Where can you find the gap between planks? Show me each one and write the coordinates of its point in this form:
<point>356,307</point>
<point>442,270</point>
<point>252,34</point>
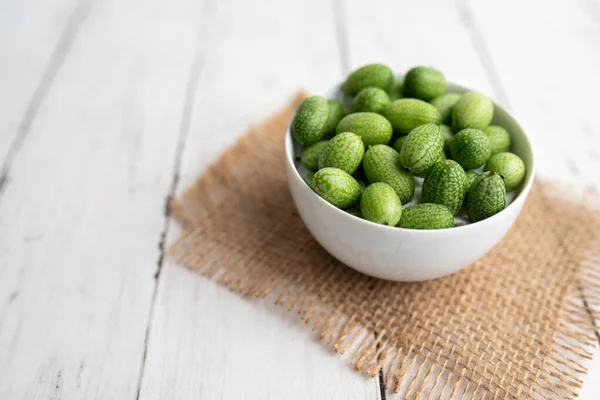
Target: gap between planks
<point>587,307</point>
<point>341,33</point>
<point>60,53</point>
<point>482,50</point>
<point>184,129</point>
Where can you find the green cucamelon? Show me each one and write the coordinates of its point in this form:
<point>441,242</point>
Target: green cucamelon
<point>395,92</point>
<point>371,127</point>
<point>447,135</point>
<point>345,151</point>
<point>381,163</point>
<point>487,196</point>
<point>426,216</point>
<point>407,114</point>
<point>422,148</point>
<point>359,175</point>
<point>399,143</point>
<point>337,187</point>
<point>444,105</point>
<point>309,124</point>
<point>361,183</point>
<point>445,184</point>
<point>372,75</point>
<point>441,157</point>
<point>470,148</point>
<point>499,139</point>
<point>509,166</point>
<point>371,99</point>
<point>379,203</point>
<point>472,110</point>
<point>308,179</point>
<point>310,155</point>
<point>424,83</point>
<point>336,113</point>
<point>470,177</point>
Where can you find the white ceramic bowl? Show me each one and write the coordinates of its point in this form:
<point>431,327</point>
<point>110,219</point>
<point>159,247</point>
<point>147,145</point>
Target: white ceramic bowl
<point>404,254</point>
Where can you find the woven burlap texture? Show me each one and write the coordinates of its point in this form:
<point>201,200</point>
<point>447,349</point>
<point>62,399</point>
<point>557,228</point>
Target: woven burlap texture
<point>512,325</point>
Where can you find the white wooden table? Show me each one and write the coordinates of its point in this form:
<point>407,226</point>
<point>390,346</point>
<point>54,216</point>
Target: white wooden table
<point>109,108</point>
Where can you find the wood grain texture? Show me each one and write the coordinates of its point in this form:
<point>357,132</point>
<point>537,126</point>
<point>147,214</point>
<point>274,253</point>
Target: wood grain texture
<point>112,105</point>
<point>35,36</point>
<point>549,71</point>
<point>591,383</point>
<point>406,35</point>
<point>82,216</point>
<point>205,342</point>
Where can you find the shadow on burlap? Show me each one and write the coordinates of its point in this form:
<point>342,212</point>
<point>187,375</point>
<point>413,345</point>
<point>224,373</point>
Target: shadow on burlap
<point>512,325</point>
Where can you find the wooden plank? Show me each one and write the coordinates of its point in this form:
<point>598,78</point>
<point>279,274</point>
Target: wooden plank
<point>82,217</point>
<point>35,35</point>
<point>591,385</point>
<point>551,94</point>
<point>205,342</point>
<point>404,35</point>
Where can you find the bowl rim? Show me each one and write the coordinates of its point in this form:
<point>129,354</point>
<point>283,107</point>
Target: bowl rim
<point>517,202</point>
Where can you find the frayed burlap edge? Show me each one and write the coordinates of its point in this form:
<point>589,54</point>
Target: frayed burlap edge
<point>410,371</point>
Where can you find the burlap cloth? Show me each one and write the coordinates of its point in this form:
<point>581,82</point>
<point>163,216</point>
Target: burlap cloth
<point>513,325</point>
